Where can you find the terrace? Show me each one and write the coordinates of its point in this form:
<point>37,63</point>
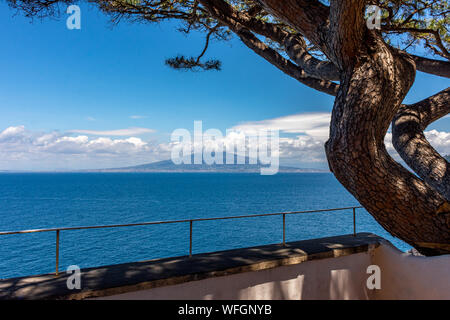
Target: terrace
<point>325,268</point>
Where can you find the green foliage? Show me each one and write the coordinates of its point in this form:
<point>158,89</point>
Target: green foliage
<point>192,63</point>
<point>418,24</point>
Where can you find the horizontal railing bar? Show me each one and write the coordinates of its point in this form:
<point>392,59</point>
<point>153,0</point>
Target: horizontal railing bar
<point>171,221</point>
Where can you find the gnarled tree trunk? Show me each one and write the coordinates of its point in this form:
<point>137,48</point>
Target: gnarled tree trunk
<point>374,80</point>
<point>372,90</point>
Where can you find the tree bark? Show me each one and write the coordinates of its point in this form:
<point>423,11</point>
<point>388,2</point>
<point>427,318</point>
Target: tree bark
<point>305,16</point>
<point>372,90</point>
<point>410,142</point>
<point>436,67</point>
<point>296,50</point>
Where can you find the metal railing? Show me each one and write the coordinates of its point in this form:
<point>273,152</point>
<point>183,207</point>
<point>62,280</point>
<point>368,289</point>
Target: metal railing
<point>191,222</point>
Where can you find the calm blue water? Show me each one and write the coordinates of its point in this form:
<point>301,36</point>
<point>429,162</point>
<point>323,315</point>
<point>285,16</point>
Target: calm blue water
<point>30,201</point>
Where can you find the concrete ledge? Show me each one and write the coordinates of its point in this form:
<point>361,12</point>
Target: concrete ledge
<point>123,278</point>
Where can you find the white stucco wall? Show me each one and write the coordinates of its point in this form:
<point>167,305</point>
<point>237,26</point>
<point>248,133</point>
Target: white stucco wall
<point>334,278</point>
<point>402,277</point>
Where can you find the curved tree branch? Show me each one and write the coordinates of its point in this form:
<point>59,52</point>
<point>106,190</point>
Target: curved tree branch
<point>297,51</point>
<point>238,22</point>
<point>221,10</point>
<point>294,45</point>
<point>437,67</point>
<point>259,47</point>
<point>305,16</point>
<point>410,142</point>
<point>208,36</point>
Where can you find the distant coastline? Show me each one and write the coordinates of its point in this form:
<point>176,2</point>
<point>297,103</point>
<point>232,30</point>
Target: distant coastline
<point>167,166</point>
<point>119,170</point>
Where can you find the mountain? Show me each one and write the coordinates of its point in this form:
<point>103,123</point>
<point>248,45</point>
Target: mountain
<point>169,166</point>
<point>447,157</point>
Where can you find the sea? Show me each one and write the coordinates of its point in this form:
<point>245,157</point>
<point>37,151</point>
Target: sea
<point>50,200</point>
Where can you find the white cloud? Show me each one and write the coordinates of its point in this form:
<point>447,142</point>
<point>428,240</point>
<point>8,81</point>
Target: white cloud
<point>119,132</point>
<point>439,140</point>
<point>21,149</point>
<point>137,117</point>
<point>314,127</point>
<point>12,134</point>
<point>310,130</point>
<point>312,124</point>
<point>302,148</point>
<point>302,138</point>
<point>12,131</point>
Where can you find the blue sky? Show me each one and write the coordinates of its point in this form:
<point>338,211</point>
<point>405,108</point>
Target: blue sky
<point>105,78</point>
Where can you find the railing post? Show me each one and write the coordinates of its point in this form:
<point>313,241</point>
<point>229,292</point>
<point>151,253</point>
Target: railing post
<point>354,221</point>
<point>284,229</point>
<point>57,253</point>
<point>190,239</point>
